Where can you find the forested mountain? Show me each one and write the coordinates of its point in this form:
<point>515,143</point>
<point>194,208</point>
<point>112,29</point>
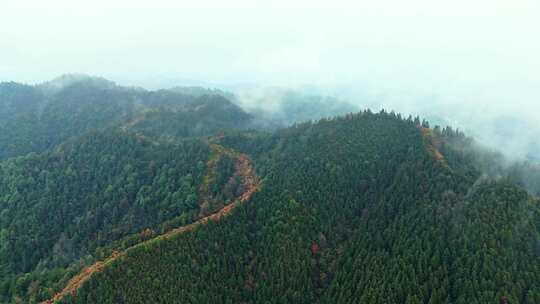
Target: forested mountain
<point>200,91</point>
<point>37,118</point>
<point>121,195</point>
<point>20,107</point>
<point>362,208</point>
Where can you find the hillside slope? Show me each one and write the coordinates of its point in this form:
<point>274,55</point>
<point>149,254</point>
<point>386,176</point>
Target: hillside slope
<point>249,184</point>
<point>111,194</point>
<point>353,209</point>
<point>102,192</point>
<point>38,118</point>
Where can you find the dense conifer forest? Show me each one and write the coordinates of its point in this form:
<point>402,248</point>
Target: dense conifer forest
<point>122,195</point>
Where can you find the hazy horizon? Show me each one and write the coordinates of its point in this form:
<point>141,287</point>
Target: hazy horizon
<point>472,64</point>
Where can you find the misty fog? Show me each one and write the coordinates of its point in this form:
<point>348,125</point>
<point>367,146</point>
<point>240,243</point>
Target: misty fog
<point>472,65</point>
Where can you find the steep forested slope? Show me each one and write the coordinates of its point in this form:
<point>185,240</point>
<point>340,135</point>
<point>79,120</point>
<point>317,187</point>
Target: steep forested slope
<point>369,208</point>
<point>37,118</point>
<point>248,183</point>
<point>467,156</point>
<point>197,116</point>
<point>69,205</point>
<point>103,173</point>
<point>20,107</point>
<point>363,208</point>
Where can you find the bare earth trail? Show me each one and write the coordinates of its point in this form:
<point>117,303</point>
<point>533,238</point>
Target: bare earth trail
<point>250,184</point>
<point>432,142</point>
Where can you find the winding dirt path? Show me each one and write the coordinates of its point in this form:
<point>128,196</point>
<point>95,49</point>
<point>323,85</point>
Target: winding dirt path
<point>250,183</point>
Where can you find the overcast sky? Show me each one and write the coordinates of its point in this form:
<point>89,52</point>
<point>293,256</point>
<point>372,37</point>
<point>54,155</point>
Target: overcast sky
<point>461,52</point>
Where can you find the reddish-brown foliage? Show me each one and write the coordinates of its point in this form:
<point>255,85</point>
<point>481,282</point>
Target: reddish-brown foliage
<point>315,248</point>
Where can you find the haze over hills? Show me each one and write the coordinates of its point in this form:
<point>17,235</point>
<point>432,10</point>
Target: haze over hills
<point>510,130</point>
<point>112,194</point>
<point>240,151</point>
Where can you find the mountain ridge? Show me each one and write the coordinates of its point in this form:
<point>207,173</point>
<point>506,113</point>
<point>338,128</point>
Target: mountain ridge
<point>371,207</point>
